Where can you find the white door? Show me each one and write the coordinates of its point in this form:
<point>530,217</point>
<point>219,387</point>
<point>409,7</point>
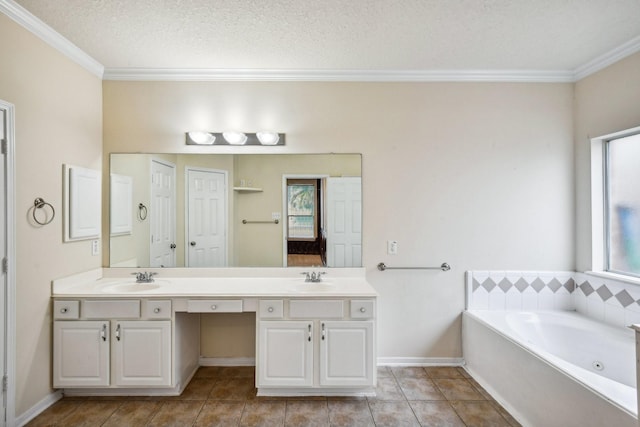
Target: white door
<point>285,354</point>
<point>80,353</point>
<point>3,255</point>
<point>346,353</point>
<point>206,231</point>
<point>344,222</point>
<point>141,353</point>
<point>162,215</point>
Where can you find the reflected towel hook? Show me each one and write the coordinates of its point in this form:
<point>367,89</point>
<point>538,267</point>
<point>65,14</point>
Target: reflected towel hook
<point>39,203</point>
<point>142,212</point>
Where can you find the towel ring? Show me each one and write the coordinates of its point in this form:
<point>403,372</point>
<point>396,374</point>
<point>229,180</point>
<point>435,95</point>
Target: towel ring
<point>39,203</point>
<point>142,212</point>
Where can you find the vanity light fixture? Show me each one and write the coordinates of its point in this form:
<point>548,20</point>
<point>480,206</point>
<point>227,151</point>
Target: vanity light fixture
<point>267,138</point>
<point>235,138</point>
<point>201,138</point>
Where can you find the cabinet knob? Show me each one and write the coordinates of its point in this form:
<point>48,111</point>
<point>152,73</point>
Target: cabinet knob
<point>213,307</point>
<point>362,309</point>
<point>64,310</point>
<point>156,310</point>
<point>270,309</point>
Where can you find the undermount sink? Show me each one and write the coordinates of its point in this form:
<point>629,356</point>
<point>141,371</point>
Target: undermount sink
<point>130,286</point>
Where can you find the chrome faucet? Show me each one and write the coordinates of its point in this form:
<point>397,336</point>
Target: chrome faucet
<point>313,277</point>
<point>146,277</point>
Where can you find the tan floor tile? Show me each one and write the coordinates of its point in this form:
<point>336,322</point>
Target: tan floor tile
<point>419,389</point>
<point>387,389</point>
<point>306,414</point>
<point>197,389</point>
<point>208,372</point>
<point>440,414</point>
<point>233,389</point>
<point>457,389</point>
<point>176,414</point>
<point>479,414</point>
<point>263,413</point>
<point>132,413</point>
<point>54,413</point>
<point>220,413</point>
<point>236,372</point>
<point>463,372</point>
<point>350,414</point>
<point>408,371</point>
<point>384,371</point>
<point>506,415</point>
<point>443,372</point>
<point>90,413</point>
<point>393,414</point>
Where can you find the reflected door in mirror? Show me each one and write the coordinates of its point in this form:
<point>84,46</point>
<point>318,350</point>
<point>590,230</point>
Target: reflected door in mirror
<point>162,215</point>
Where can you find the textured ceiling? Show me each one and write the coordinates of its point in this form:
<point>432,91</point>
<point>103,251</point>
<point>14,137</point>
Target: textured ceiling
<point>343,34</point>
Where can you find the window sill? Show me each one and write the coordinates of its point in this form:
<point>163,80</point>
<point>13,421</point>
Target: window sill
<point>615,276</point>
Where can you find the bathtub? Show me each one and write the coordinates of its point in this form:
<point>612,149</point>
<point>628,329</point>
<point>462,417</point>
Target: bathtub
<point>553,368</point>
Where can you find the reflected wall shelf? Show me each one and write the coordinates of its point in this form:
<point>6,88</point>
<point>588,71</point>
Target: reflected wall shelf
<point>247,189</point>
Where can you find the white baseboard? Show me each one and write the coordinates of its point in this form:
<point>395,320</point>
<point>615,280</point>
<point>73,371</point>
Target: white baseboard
<point>227,361</point>
<point>36,409</point>
<point>420,361</point>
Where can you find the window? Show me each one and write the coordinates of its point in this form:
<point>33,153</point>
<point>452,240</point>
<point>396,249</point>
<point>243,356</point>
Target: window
<point>622,204</point>
<point>302,209</point>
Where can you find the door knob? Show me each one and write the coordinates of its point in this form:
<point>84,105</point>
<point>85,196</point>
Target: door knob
<point>192,243</point>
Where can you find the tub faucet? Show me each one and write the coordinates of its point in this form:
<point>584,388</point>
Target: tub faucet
<point>313,277</point>
<point>146,277</point>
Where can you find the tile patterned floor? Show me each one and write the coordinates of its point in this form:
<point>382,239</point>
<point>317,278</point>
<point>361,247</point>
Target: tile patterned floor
<point>225,396</point>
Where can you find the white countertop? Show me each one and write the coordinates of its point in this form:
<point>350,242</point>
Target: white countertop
<point>224,283</point>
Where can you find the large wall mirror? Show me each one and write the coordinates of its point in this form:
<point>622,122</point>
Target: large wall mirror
<point>235,210</point>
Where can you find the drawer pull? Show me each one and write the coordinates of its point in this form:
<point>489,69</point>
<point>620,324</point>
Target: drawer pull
<point>156,310</point>
<point>270,309</point>
<point>64,310</point>
<point>213,307</point>
<point>362,309</point>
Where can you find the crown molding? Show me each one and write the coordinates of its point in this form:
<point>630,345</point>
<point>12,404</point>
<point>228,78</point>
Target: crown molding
<point>24,18</point>
<point>243,75</point>
<point>609,58</point>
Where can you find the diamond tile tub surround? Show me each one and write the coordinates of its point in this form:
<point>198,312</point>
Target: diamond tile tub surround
<point>606,300</point>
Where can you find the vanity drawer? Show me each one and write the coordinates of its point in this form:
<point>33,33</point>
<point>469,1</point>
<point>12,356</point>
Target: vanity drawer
<point>114,309</point>
<point>66,309</point>
<point>319,309</point>
<point>214,306</point>
<point>157,309</point>
<point>362,309</point>
<point>272,309</point>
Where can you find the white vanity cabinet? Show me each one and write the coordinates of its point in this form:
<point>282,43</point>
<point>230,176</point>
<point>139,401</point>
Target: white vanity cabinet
<point>315,345</point>
<point>112,352</point>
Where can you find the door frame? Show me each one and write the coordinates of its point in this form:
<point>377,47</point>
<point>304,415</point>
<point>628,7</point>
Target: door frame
<point>10,290</point>
<point>285,224</point>
<point>187,169</point>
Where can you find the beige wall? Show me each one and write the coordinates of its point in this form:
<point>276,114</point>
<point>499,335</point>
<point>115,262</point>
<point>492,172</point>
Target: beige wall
<point>58,107</point>
<point>479,175</point>
<point>606,102</point>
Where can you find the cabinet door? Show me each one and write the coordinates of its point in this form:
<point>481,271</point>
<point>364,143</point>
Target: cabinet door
<point>80,353</point>
<point>141,353</point>
<point>346,353</point>
<point>285,354</point>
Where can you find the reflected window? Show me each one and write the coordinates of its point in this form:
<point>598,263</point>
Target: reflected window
<point>622,205</point>
<point>302,209</point>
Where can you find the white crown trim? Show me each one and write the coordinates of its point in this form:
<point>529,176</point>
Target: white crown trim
<point>609,58</point>
<point>186,74</point>
<point>24,18</point>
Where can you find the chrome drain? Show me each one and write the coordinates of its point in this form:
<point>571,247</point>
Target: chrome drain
<point>597,365</point>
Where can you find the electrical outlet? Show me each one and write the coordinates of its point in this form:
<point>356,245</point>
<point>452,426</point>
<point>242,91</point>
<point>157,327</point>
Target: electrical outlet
<point>95,247</point>
<point>392,247</point>
<point>275,215</point>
